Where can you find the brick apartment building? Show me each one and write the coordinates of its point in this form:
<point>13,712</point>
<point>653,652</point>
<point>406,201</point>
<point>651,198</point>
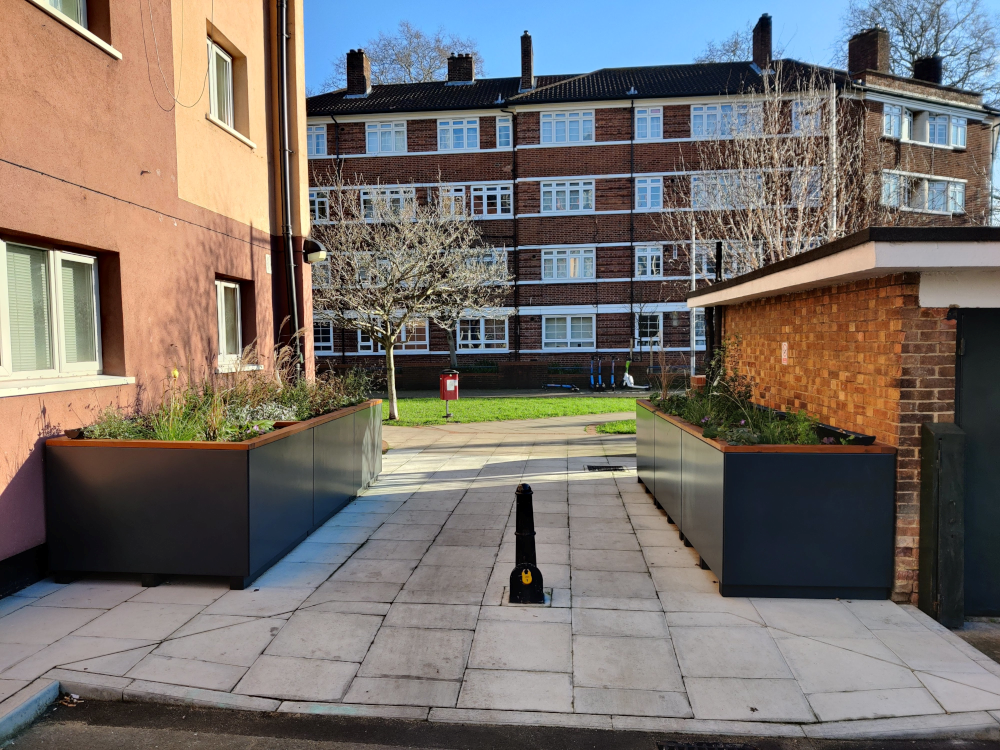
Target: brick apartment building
<point>569,172</point>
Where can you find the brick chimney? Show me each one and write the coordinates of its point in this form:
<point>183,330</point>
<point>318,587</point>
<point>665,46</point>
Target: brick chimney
<point>527,63</point>
<point>461,68</point>
<point>868,50</point>
<point>762,43</point>
<point>930,69</point>
<point>359,73</point>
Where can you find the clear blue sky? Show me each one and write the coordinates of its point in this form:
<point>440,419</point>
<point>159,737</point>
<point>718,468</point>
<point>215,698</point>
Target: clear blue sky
<point>573,36</point>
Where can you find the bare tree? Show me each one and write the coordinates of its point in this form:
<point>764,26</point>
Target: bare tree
<point>961,32</point>
<point>395,264</point>
<point>408,56</point>
<point>780,171</point>
<point>737,47</point>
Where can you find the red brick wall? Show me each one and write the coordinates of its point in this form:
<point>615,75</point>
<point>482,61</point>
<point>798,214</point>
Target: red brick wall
<point>865,357</point>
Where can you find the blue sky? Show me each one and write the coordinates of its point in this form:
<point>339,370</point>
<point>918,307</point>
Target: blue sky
<point>573,36</point>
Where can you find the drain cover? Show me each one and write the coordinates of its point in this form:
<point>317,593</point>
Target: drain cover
<point>680,745</point>
<point>602,467</point>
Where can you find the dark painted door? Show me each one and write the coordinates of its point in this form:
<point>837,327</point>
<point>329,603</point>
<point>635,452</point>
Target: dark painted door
<point>978,413</point>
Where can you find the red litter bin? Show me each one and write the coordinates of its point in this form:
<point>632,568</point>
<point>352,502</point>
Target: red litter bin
<point>448,382</point>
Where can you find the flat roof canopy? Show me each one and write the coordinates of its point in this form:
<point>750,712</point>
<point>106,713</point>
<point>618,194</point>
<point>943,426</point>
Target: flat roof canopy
<point>959,255</point>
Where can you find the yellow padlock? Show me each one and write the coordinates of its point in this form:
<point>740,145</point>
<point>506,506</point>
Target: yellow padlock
<point>525,576</point>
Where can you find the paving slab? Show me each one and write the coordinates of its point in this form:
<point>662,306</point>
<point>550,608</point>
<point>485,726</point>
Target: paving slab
<point>524,646</point>
<point>448,578</point>
<point>333,709</point>
<point>625,663</point>
<point>874,704</point>
<point>517,691</point>
<point>594,540</point>
<point>239,645</point>
<point>473,557</point>
<point>613,584</point>
<point>824,668</point>
<point>91,594</point>
<point>400,691</point>
<point>610,560</point>
<point>258,602</point>
<point>66,651</point>
<point>728,652</point>
<point>41,626</point>
<point>631,702</point>
<point>734,699</point>
<point>181,592</point>
<point>375,549</point>
<point>140,620</point>
<point>375,571</point>
<point>292,678</point>
<point>326,635</point>
<point>187,672</point>
<point>414,652</point>
<point>353,591</point>
<point>619,623</point>
<point>406,532</point>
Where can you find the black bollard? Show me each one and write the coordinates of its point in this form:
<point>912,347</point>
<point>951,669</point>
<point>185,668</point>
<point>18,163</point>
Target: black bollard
<point>526,578</point>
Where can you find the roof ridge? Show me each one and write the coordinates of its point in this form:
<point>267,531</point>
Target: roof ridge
<point>563,82</point>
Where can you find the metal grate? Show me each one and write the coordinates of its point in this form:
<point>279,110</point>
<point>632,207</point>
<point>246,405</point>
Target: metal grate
<point>681,745</point>
<point>592,467</point>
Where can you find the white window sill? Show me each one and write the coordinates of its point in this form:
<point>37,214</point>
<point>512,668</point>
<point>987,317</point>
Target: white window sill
<point>77,28</point>
<point>227,367</point>
<point>234,133</point>
<point>54,385</point>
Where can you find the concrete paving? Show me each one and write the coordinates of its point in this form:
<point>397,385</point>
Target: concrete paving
<point>396,608</point>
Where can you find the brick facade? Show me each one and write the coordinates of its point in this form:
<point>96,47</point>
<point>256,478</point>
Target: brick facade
<point>614,227</point>
<point>863,356</point>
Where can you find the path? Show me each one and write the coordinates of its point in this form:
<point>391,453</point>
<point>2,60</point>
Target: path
<point>395,608</point>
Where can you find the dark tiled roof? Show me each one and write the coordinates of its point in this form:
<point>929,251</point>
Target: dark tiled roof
<point>484,93</point>
<point>657,81</point>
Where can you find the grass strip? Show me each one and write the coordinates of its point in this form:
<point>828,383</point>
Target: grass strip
<point>418,412</point>
<point>618,427</point>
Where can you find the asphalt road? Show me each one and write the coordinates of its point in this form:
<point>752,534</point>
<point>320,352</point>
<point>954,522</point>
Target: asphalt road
<point>92,725</point>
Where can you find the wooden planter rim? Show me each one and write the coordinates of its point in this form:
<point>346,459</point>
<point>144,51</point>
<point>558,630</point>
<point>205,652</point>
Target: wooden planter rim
<point>724,447</point>
<point>244,445</point>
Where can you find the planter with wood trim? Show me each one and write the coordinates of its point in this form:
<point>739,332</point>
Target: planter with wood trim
<point>811,521</point>
<point>159,508</point>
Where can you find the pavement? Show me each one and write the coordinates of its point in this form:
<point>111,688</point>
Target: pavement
<point>395,609</point>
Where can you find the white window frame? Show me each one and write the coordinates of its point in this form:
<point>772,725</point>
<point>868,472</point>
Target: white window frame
<point>725,120</point>
<point>505,123</point>
<point>502,196</point>
<point>452,199</point>
<point>807,117</point>
<point>396,129</point>
<point>323,350</point>
<point>319,205</point>
<point>575,261</point>
<point>938,129</point>
<point>81,20</point>
<point>556,128</point>
<point>649,262</point>
<point>316,137</point>
<point>813,177</point>
<point>720,191</point>
<point>482,345</point>
<point>892,121</point>
<point>214,53</point>
<point>568,341</point>
<point>957,135</point>
<point>648,193</point>
<point>892,189</point>
<point>228,360</point>
<point>650,342</point>
<point>700,339</point>
<point>956,197</point>
<point>649,124</point>
<point>56,331</point>
<point>448,129</point>
<point>404,195</point>
<point>552,190</point>
<point>402,345</point>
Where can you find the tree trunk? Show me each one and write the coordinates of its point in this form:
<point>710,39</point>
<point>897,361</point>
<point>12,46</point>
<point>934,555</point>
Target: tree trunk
<point>390,377</point>
<point>451,348</point>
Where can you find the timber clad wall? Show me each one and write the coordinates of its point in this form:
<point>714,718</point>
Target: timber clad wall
<point>862,356</point>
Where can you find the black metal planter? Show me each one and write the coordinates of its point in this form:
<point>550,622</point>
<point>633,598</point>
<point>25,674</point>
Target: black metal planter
<point>775,520</point>
<point>161,508</point>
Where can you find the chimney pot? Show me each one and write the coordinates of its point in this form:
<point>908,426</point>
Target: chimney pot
<point>762,43</point>
<point>868,50</point>
<point>461,68</point>
<point>527,63</point>
<point>930,69</point>
<point>359,73</point>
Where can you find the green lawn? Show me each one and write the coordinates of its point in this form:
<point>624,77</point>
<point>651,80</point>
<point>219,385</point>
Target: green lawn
<point>415,412</point>
<point>619,427</point>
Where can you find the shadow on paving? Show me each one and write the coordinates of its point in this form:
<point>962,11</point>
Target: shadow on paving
<point>105,726</point>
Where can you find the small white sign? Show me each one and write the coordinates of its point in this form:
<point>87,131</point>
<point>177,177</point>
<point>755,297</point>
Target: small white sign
<point>267,262</point>
<point>450,385</point>
<point>784,352</point>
